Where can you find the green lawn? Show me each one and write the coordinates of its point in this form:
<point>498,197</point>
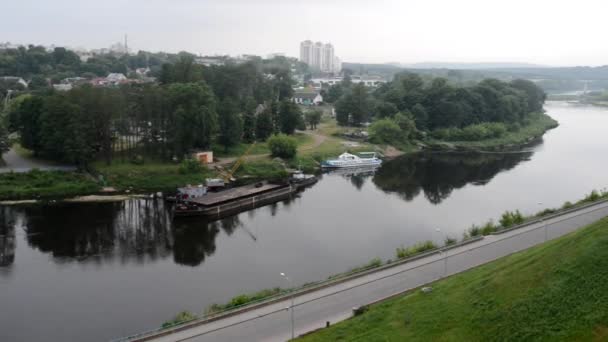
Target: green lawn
<point>45,184</point>
<point>259,148</point>
<point>554,292</point>
<point>150,176</point>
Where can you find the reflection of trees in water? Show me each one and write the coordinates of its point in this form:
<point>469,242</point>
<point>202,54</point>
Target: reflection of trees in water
<point>7,237</point>
<point>357,176</point>
<point>438,174</point>
<point>195,238</point>
<point>134,230</point>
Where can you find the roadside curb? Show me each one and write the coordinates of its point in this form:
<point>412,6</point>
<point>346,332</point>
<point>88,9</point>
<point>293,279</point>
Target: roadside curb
<point>155,334</point>
<point>550,216</point>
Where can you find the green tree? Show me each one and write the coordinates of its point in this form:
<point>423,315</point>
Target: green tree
<point>282,146</point>
<point>25,119</point>
<point>290,117</point>
<point>4,141</point>
<point>313,118</point>
<point>249,122</point>
<point>421,117</point>
<point>231,125</point>
<point>264,126</point>
<point>406,123</point>
<point>385,131</point>
<point>354,107</point>
<point>333,93</point>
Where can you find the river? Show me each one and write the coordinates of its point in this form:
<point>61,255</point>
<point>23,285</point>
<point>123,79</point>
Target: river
<point>75,272</point>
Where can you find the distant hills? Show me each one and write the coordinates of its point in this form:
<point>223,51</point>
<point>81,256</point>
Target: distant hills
<point>471,66</point>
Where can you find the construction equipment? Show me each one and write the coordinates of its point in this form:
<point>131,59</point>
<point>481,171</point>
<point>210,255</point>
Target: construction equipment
<point>228,175</point>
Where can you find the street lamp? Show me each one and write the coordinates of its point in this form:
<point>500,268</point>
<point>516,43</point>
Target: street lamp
<point>543,222</point>
<point>291,306</point>
<point>445,256</point>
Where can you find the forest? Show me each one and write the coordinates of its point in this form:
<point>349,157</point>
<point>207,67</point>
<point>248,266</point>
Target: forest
<point>190,108</point>
<point>412,107</point>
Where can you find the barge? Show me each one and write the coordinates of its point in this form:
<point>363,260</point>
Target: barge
<point>235,200</point>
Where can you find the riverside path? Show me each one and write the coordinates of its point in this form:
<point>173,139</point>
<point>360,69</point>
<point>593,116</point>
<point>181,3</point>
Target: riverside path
<point>333,303</point>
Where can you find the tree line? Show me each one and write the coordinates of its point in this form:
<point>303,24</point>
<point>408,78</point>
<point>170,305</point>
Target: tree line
<point>410,105</point>
<point>193,107</point>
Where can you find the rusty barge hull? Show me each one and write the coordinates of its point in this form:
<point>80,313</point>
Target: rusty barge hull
<point>235,200</point>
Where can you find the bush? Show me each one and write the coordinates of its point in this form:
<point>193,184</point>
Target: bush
<point>406,252</point>
<point>449,241</point>
<point>180,318</point>
<point>509,219</point>
<point>385,131</point>
<point>282,146</point>
<point>486,130</point>
<point>190,166</point>
<point>474,231</point>
<point>488,228</point>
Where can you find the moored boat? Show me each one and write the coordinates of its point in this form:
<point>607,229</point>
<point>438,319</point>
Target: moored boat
<point>347,160</point>
<point>234,200</point>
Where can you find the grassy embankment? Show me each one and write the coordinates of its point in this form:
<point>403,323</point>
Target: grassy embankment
<point>45,184</point>
<point>554,292</point>
<point>537,126</point>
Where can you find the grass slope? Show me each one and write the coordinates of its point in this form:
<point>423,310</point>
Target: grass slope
<point>554,292</point>
<point>44,184</point>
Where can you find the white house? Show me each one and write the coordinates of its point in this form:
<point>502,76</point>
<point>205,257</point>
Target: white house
<point>116,78</point>
<point>307,97</point>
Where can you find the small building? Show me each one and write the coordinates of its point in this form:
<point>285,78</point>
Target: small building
<point>205,157</point>
<point>307,97</point>
<point>62,87</point>
<point>116,78</point>
<point>14,80</point>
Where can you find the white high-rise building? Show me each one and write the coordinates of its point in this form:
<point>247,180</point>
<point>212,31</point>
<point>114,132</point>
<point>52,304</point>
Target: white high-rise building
<point>306,52</point>
<point>319,56</point>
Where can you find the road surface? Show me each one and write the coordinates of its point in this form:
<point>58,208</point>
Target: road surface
<point>16,163</point>
<point>335,303</point>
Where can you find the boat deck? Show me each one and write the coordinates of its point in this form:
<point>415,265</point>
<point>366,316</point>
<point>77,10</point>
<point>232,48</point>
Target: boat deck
<point>233,194</point>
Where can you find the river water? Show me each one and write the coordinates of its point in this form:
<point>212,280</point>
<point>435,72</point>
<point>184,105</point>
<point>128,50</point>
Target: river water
<point>75,272</point>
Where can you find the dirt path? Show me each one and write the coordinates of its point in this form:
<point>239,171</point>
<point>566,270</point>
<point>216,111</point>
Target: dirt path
<point>318,139</point>
<point>16,163</point>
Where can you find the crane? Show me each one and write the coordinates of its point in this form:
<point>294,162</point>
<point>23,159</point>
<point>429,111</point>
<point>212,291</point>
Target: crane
<point>228,175</point>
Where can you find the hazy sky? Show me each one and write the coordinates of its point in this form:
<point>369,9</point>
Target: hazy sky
<point>536,31</point>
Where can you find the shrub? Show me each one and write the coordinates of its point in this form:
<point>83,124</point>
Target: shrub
<point>488,228</point>
<point>282,146</point>
<point>190,166</point>
<point>449,241</point>
<point>509,218</point>
<point>474,231</point>
<point>406,252</point>
<point>567,205</point>
<point>385,131</point>
<point>180,318</point>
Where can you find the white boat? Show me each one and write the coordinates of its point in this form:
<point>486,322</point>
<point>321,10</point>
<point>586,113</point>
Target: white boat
<point>350,160</point>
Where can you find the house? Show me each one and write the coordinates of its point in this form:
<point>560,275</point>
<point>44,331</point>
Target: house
<point>63,87</point>
<point>142,71</point>
<point>205,157</point>
<point>116,78</point>
<point>14,80</point>
<point>307,97</point>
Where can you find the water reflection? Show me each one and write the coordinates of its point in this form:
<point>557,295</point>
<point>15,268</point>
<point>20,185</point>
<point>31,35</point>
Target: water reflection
<point>137,230</point>
<point>438,174</point>
<point>7,237</point>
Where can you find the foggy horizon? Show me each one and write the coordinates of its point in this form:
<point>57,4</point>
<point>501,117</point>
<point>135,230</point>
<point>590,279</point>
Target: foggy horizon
<point>472,31</point>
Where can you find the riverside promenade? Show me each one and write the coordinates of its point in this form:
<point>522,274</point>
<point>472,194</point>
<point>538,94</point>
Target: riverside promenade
<point>334,301</point>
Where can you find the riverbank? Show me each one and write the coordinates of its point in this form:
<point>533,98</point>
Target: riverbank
<point>510,140</point>
<point>532,295</point>
<point>313,148</point>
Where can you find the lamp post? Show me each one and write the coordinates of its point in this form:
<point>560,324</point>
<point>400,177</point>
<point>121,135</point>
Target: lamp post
<point>291,308</point>
<point>445,256</point>
<point>543,222</point>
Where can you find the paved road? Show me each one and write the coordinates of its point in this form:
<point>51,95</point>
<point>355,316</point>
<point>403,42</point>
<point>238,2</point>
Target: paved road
<point>16,163</point>
<point>335,303</point>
